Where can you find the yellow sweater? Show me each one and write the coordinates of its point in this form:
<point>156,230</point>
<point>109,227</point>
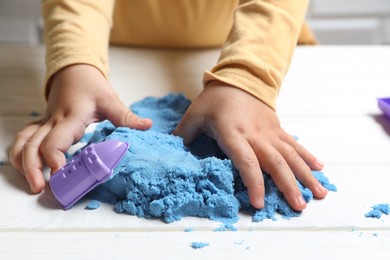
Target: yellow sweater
<point>257,37</point>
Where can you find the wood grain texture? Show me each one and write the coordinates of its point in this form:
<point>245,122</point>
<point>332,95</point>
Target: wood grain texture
<point>328,100</point>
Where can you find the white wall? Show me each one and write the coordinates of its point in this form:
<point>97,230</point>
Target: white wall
<point>333,21</point>
<point>19,21</point>
<point>350,21</point>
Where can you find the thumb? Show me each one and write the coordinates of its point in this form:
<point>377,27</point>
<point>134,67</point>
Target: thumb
<point>188,129</point>
<point>120,115</point>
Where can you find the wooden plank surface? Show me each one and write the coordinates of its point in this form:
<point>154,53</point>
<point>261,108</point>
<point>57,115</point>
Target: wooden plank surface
<point>328,100</point>
<point>352,244</point>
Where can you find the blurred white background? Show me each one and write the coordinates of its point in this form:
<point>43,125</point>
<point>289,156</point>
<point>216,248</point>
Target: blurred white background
<point>20,21</point>
<point>333,21</point>
<point>350,21</point>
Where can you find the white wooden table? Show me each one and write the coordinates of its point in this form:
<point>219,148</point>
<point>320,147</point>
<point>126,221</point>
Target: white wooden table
<point>328,99</point>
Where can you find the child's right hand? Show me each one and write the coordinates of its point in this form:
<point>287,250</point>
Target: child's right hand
<point>79,95</point>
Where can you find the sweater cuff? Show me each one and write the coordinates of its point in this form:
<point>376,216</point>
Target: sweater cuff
<point>66,60</point>
<point>245,81</point>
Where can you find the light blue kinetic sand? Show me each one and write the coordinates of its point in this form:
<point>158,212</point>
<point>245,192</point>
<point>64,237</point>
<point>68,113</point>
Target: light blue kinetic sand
<point>159,177</point>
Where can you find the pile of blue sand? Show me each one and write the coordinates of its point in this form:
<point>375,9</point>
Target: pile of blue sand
<point>378,210</point>
<point>198,245</point>
<point>159,177</point>
<point>92,205</point>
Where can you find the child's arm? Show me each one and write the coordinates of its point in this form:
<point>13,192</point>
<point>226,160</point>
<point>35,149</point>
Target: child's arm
<point>237,104</point>
<point>77,89</point>
<point>79,95</point>
<point>76,32</point>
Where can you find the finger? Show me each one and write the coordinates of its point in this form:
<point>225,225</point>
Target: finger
<point>275,165</point>
<point>309,159</point>
<point>18,144</point>
<point>188,129</point>
<point>115,111</point>
<point>301,170</point>
<point>59,140</point>
<point>245,161</point>
<point>32,159</point>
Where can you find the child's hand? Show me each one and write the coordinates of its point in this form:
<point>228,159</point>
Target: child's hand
<point>79,95</point>
<point>249,133</point>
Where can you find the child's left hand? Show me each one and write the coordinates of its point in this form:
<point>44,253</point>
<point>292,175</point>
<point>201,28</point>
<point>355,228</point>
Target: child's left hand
<point>249,133</point>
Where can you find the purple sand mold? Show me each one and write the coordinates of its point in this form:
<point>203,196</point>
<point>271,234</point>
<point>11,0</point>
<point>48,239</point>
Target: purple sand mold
<point>384,105</point>
<point>159,177</point>
<point>378,210</point>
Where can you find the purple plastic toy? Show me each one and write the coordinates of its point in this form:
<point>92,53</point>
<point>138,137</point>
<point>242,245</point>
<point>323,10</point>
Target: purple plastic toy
<point>384,105</point>
<point>85,171</point>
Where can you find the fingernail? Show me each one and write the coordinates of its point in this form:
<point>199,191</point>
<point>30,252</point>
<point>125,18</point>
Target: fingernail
<point>260,203</point>
<point>32,186</point>
<point>301,202</point>
<point>319,163</point>
<point>320,188</point>
<point>144,121</point>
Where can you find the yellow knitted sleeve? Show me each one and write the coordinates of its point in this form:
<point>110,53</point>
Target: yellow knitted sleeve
<point>76,32</point>
<point>259,48</point>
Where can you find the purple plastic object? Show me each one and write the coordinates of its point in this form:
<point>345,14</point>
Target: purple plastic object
<point>85,171</point>
<point>384,105</point>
